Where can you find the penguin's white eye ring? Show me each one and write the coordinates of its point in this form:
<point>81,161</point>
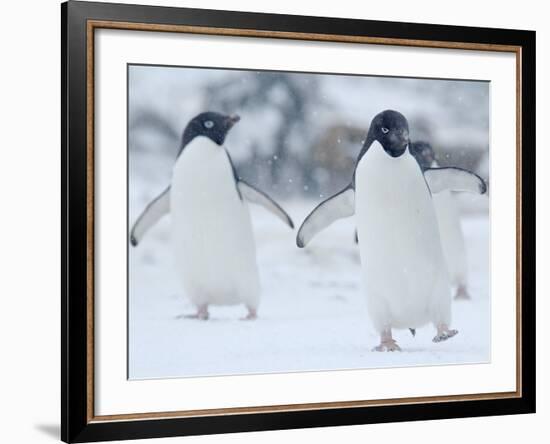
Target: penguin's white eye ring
<point>385,130</point>
<point>208,124</point>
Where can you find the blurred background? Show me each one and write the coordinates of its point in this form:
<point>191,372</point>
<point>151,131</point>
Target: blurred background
<point>300,134</point>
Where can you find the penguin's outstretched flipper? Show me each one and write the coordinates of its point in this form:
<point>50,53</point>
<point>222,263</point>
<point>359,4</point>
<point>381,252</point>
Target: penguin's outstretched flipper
<point>336,207</point>
<point>150,216</point>
<point>454,179</point>
<point>254,195</point>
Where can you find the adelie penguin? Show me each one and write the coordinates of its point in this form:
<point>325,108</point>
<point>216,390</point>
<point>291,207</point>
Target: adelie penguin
<point>448,218</point>
<point>405,279</point>
<point>210,221</point>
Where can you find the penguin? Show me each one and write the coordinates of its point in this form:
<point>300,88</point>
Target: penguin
<point>405,279</point>
<point>448,218</point>
<point>211,229</point>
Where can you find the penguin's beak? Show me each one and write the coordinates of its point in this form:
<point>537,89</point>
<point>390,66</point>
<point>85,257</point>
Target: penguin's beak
<point>232,120</point>
<point>405,137</point>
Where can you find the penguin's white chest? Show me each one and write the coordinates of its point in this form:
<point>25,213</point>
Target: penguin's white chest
<point>452,238</point>
<point>399,242</point>
<point>211,228</point>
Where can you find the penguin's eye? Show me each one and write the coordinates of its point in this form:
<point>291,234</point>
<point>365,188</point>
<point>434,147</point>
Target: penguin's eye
<point>385,130</point>
<point>208,124</point>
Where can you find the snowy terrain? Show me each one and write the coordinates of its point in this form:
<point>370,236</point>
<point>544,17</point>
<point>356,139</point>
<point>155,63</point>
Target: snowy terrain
<point>312,314</point>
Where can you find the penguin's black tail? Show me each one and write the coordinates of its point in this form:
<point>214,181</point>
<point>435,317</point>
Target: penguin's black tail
<point>413,331</point>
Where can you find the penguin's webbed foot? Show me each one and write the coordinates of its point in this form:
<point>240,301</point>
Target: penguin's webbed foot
<point>462,294</point>
<point>201,314</point>
<point>387,346</point>
<point>444,333</point>
<point>251,316</point>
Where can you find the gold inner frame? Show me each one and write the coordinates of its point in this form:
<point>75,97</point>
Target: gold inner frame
<point>96,24</point>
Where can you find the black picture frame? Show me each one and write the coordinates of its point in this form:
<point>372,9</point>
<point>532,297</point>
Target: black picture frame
<point>77,425</point>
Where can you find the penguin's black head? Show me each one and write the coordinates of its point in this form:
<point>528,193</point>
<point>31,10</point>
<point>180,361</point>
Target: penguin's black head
<point>391,129</point>
<point>210,124</point>
<point>423,153</point>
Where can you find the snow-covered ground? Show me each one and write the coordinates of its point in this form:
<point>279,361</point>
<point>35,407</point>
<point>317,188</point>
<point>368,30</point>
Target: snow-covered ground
<point>312,314</point>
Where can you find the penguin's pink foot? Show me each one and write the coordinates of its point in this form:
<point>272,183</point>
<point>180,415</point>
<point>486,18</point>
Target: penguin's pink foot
<point>387,346</point>
<point>444,333</point>
<point>462,294</point>
<point>201,314</point>
<point>387,343</point>
<point>251,316</point>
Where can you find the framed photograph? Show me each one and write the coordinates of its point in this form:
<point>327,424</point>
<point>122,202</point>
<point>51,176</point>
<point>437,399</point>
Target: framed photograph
<point>275,221</point>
